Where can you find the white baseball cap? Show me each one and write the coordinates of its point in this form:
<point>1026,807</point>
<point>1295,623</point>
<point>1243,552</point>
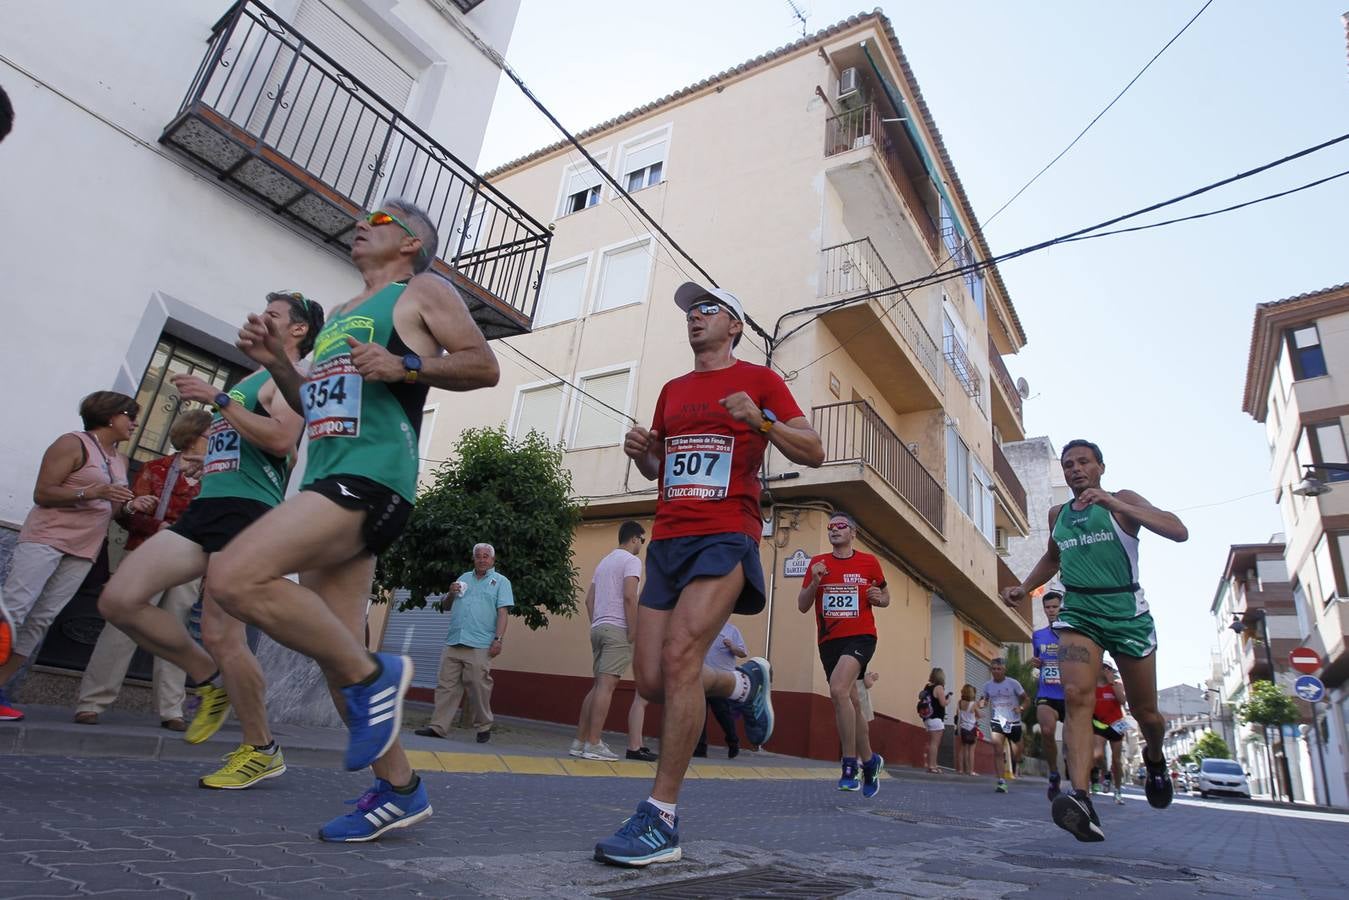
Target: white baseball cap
<point>690,293</point>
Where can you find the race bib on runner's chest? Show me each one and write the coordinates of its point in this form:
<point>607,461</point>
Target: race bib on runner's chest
<point>698,466</point>
<point>222,449</point>
<point>840,602</point>
<point>1050,673</point>
<point>332,399</point>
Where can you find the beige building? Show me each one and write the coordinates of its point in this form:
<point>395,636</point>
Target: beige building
<point>802,180</point>
<point>1297,384</point>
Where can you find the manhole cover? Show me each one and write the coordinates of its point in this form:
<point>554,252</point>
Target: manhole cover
<point>763,881</point>
<point>921,818</point>
<point>1110,867</point>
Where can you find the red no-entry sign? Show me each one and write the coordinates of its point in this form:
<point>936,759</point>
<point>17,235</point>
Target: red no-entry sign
<point>1305,659</point>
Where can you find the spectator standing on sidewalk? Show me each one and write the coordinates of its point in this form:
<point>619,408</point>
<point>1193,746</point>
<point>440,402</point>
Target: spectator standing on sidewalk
<point>967,723</point>
<point>727,647</point>
<point>478,603</point>
<point>611,603</point>
<point>935,718</point>
<point>175,481</point>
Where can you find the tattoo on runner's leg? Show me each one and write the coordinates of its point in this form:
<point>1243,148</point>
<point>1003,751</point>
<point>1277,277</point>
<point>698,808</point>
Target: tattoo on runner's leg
<point>1074,653</point>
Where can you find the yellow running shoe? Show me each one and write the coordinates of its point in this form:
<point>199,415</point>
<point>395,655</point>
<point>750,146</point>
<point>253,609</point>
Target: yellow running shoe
<point>213,708</point>
<point>245,767</point>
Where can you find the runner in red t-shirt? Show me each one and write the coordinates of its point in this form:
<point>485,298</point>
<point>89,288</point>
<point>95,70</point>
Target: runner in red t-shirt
<point>707,440</point>
<point>1108,724</point>
<point>843,586</point>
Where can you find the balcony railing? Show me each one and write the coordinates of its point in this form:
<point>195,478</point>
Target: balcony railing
<point>1004,378</point>
<point>969,377</point>
<point>862,127</point>
<point>1003,469</point>
<point>856,267</point>
<point>274,116</point>
<point>854,432</point>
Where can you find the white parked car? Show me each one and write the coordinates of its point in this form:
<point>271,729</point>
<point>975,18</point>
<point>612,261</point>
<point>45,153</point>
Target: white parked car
<point>1222,776</point>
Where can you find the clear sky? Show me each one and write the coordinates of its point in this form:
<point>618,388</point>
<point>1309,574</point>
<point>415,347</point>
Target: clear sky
<point>1137,342</point>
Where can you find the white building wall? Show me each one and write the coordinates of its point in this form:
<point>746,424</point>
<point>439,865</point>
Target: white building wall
<point>1036,463</point>
<point>121,236</point>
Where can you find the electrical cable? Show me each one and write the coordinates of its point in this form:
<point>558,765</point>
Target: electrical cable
<point>1079,234</point>
<point>1098,116</point>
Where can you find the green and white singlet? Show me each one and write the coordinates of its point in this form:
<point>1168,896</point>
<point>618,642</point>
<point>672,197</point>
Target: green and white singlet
<point>359,427</point>
<point>234,467</point>
<point>1098,564</point>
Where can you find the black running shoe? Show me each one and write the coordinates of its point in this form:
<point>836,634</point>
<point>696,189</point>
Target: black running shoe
<point>1075,815</point>
<point>1158,785</point>
<point>1054,782</point>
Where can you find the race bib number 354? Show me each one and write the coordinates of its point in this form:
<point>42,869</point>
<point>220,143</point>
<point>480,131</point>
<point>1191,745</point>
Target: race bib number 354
<point>332,399</point>
<point>698,466</point>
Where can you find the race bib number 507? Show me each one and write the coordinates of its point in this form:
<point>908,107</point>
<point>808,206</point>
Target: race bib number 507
<point>332,399</point>
<point>698,466</point>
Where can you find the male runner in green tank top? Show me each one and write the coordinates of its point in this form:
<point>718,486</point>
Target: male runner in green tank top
<point>1093,544</point>
<point>243,476</point>
<point>362,400</point>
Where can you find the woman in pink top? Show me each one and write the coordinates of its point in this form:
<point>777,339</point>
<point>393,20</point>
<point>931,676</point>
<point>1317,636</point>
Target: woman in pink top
<point>81,485</point>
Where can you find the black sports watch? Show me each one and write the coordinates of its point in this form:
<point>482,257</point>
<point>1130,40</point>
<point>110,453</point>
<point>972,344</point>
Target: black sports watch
<point>413,363</point>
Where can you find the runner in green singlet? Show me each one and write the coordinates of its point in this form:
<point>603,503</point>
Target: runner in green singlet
<point>1093,544</point>
<point>243,476</point>
<point>362,401</point>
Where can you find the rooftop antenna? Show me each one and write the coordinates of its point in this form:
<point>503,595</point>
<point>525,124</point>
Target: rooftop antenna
<point>799,15</point>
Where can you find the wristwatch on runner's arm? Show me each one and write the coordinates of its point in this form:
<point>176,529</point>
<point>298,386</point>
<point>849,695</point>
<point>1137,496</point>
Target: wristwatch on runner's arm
<point>413,363</point>
<point>769,420</point>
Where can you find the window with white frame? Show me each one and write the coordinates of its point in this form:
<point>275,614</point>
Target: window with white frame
<point>538,408</point>
<point>957,469</point>
<point>1326,574</point>
<point>424,438</point>
<point>600,409</point>
<point>644,164</point>
<point>581,188</point>
<point>981,500</point>
<point>624,275</point>
<point>1327,447</point>
<point>1304,619</point>
<point>563,289</point>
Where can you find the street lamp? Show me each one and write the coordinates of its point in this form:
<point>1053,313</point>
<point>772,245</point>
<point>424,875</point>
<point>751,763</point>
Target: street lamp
<point>1310,485</point>
<point>1239,626</point>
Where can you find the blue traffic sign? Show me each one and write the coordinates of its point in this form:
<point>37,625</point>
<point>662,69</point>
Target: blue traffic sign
<point>1309,688</point>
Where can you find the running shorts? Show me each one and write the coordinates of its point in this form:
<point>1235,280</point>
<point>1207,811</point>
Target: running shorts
<point>671,563</point>
<point>212,522</point>
<point>386,510</point>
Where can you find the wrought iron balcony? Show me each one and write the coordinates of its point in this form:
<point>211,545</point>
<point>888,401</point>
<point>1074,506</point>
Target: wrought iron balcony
<point>862,127</point>
<point>276,118</point>
<point>1007,475</point>
<point>971,380</point>
<point>856,267</point>
<point>1004,379</point>
<point>854,432</point>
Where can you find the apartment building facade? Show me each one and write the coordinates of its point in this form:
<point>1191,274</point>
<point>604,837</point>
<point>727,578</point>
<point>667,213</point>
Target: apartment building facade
<point>1297,385</point>
<point>805,181</point>
<point>1254,590</point>
<point>174,162</point>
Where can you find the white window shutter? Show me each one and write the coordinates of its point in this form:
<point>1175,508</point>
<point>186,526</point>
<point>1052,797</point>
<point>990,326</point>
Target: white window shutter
<point>624,275</point>
<point>539,410</point>
<point>597,425</point>
<point>560,298</point>
<point>644,156</point>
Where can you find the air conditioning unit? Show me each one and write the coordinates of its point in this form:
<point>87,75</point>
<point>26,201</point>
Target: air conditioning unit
<point>849,87</point>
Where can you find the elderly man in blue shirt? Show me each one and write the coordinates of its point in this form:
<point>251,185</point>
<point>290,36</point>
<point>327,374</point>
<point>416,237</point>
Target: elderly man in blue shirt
<point>477,603</point>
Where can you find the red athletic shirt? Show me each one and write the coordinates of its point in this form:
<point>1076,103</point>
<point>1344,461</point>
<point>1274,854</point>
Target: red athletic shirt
<point>709,473</point>
<point>841,605</point>
<point>1108,708</point>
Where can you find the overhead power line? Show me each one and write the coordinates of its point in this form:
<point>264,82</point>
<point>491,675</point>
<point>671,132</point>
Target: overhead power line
<point>1097,117</point>
<point>1080,234</point>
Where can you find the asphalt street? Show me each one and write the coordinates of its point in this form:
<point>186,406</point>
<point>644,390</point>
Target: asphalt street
<point>72,827</point>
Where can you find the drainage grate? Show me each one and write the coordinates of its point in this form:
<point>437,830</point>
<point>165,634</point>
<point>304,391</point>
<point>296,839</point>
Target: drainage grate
<point>760,882</point>
<point>920,818</point>
<point>1110,867</point>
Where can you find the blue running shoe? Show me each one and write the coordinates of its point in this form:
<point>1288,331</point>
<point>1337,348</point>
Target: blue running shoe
<point>644,839</point>
<point>849,782</point>
<point>871,775</point>
<point>378,810</point>
<point>757,708</point>
<point>375,711</point>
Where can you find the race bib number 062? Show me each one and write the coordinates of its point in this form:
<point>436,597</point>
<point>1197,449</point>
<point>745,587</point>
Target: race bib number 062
<point>698,466</point>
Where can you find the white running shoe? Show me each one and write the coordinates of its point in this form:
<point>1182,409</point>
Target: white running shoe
<point>598,751</point>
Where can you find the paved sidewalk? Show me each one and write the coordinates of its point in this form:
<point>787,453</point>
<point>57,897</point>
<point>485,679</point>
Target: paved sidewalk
<point>518,746</point>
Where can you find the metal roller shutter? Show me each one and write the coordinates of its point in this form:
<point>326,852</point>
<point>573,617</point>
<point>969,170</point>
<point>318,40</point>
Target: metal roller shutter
<point>420,634</point>
<point>976,673</point>
<point>360,50</point>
